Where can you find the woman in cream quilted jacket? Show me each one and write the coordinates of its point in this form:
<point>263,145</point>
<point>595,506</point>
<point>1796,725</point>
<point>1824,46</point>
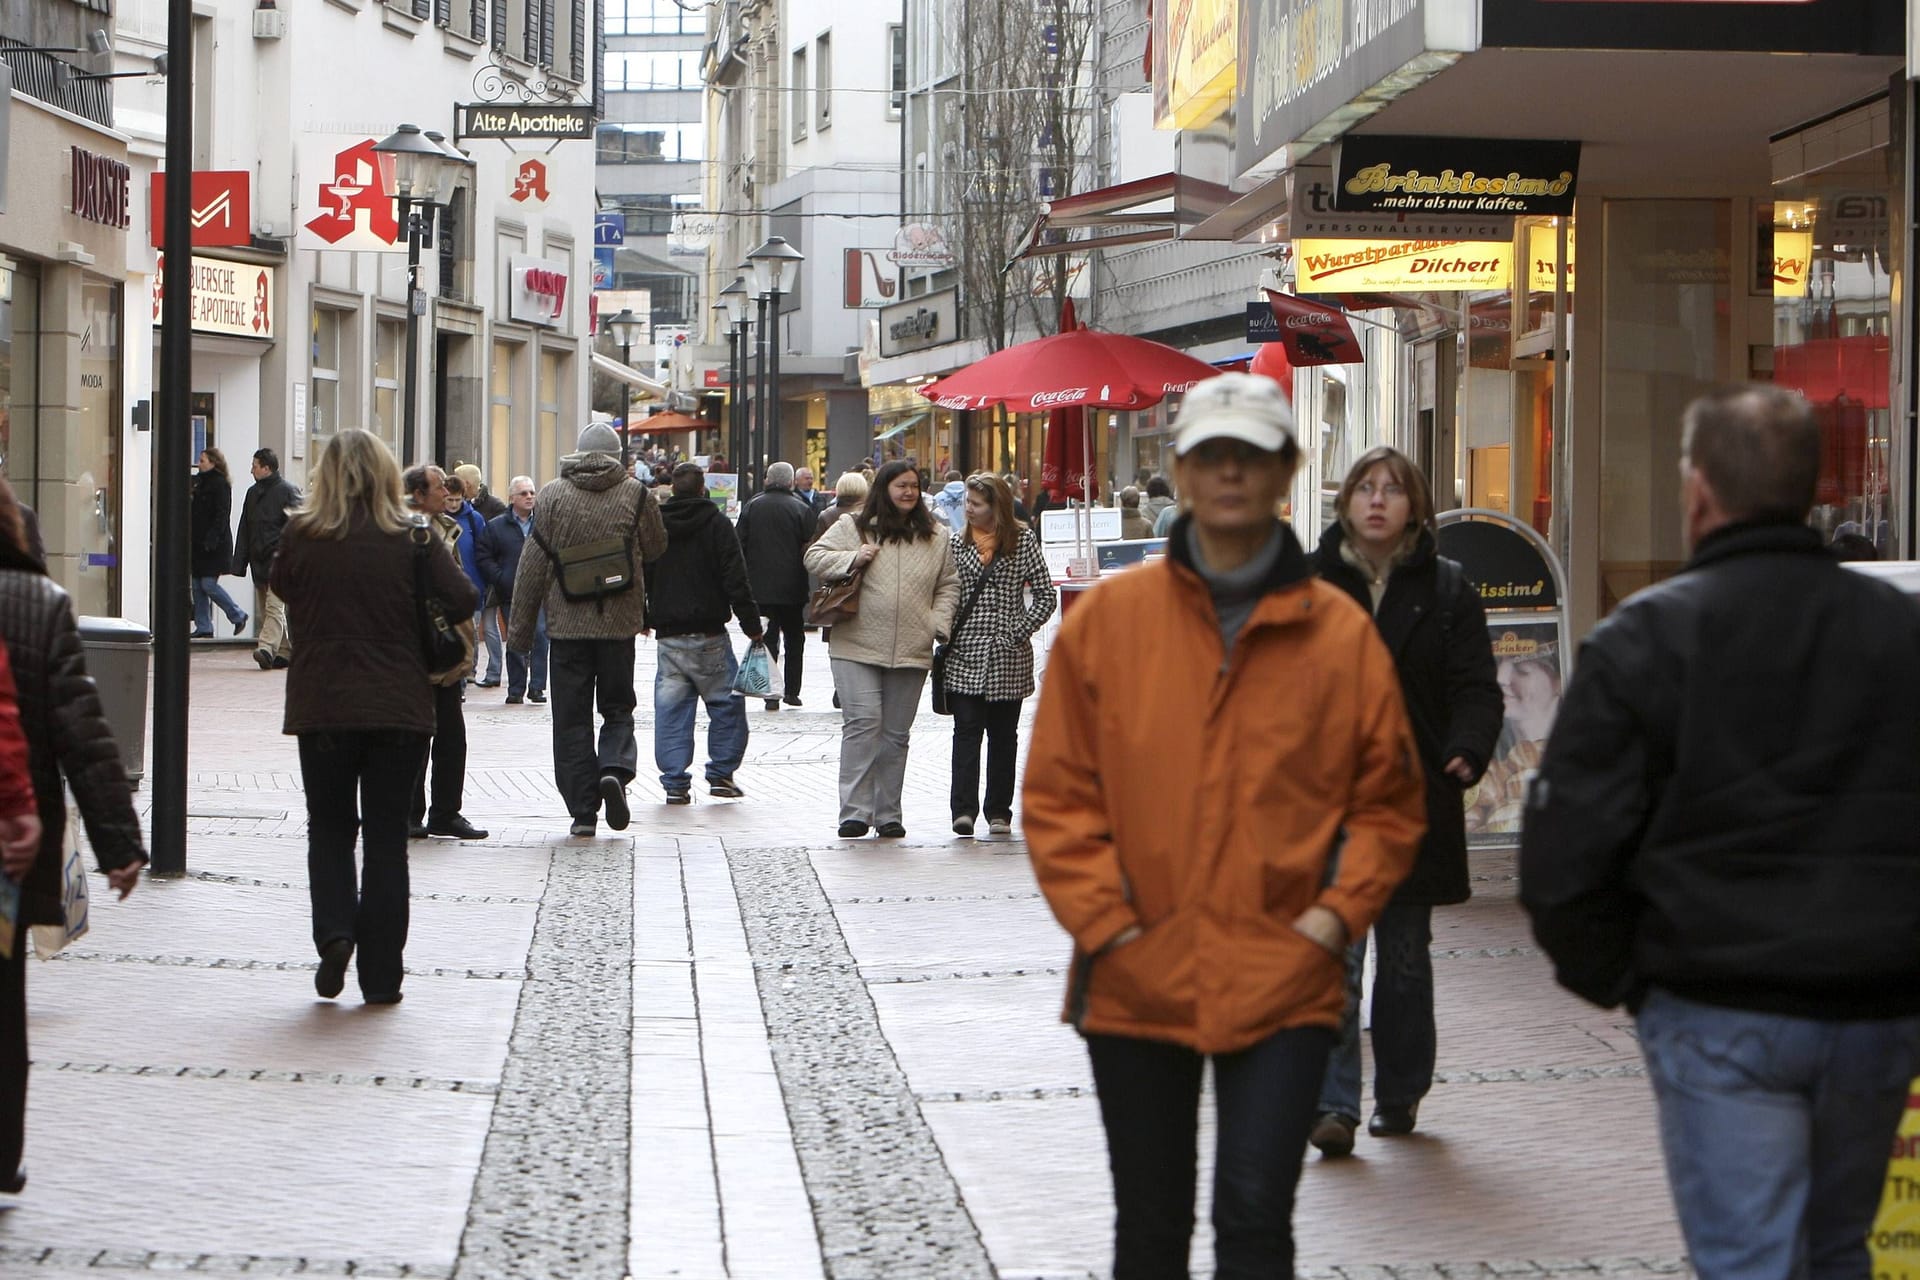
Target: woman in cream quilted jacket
<point>881,656</point>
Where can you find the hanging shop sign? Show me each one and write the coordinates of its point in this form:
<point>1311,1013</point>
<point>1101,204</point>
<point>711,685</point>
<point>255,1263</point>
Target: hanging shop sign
<point>99,188</point>
<point>866,280</point>
<point>1312,215</point>
<point>232,298</point>
<point>1371,266</point>
<point>1195,43</point>
<point>347,196</point>
<point>921,246</point>
<point>524,122</point>
<point>221,208</point>
<point>1312,332</point>
<point>919,323</point>
<point>536,289</point>
<point>1792,260</point>
<point>1387,174</point>
<point>1772,26</point>
<point>1542,254</point>
<point>609,230</point>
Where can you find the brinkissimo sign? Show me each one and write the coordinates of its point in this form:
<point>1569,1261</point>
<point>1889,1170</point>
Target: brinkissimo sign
<point>1454,176</point>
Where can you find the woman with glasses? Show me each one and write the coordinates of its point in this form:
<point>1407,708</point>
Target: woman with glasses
<point>1006,595</point>
<point>1381,551</point>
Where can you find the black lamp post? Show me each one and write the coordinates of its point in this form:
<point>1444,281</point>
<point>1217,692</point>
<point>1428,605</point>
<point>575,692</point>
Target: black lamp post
<point>757,401</point>
<point>625,329</point>
<point>424,172</point>
<point>776,270</point>
<point>732,303</point>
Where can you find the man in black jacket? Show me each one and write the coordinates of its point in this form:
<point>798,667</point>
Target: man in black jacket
<point>690,592</point>
<point>1722,835</point>
<point>775,529</point>
<point>497,551</point>
<point>262,516</point>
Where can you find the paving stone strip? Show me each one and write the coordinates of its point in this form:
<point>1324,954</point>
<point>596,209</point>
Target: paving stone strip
<point>52,1262</point>
<point>884,1202</point>
<point>254,882</point>
<point>264,966</point>
<point>431,1084</point>
<point>1522,1269</point>
<point>551,1195</point>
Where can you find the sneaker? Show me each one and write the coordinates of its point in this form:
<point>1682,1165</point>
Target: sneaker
<point>679,795</point>
<point>538,695</point>
<point>1332,1135</point>
<point>263,658</point>
<point>457,827</point>
<point>890,831</point>
<point>514,699</point>
<point>585,829</point>
<point>726,789</point>
<point>999,826</point>
<point>963,826</point>
<point>613,795</point>
<point>853,829</point>
<point>791,701</point>
<point>1392,1122</point>
<point>333,967</point>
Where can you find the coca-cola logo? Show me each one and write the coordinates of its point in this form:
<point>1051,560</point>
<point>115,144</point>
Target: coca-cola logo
<point>1314,320</point>
<point>1068,395</point>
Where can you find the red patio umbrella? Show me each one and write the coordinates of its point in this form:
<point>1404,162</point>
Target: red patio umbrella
<point>1063,464</point>
<point>670,421</point>
<point>1074,367</point>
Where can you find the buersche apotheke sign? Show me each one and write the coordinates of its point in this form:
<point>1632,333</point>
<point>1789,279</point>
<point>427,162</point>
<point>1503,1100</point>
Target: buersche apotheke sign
<point>1376,173</point>
<point>536,289</point>
<point>233,298</point>
<point>523,121</point>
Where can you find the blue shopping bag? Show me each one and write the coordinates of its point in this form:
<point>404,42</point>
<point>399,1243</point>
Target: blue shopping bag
<point>756,678</point>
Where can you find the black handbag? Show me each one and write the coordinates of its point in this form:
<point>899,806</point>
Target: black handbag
<point>441,643</point>
<point>941,706</point>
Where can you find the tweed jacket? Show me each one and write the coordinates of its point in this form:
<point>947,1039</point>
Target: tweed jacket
<point>67,736</point>
<point>593,499</point>
<point>907,597</point>
<point>991,655</point>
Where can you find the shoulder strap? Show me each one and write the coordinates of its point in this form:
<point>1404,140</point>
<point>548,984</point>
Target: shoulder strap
<point>966,610</point>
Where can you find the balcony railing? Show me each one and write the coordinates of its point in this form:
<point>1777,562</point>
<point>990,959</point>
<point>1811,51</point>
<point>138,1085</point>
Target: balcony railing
<point>38,76</point>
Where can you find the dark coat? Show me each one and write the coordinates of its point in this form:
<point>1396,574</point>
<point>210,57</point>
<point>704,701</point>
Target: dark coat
<point>831,516</point>
<point>1445,664</point>
<point>496,553</point>
<point>351,601</point>
<point>702,576</point>
<point>67,737</point>
<point>775,529</point>
<point>491,508</point>
<point>1728,799</point>
<point>262,516</point>
<point>212,528</point>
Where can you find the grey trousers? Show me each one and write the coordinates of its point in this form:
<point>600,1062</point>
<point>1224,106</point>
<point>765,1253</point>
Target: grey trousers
<point>877,707</point>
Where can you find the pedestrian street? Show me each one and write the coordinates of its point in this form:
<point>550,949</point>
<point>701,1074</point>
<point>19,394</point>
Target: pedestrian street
<point>723,1043</point>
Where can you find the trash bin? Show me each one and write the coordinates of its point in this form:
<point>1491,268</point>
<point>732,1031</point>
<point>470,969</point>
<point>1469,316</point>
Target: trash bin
<point>118,654</point>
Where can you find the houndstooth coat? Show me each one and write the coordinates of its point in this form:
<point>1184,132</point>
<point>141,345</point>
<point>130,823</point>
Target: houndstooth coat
<point>992,656</point>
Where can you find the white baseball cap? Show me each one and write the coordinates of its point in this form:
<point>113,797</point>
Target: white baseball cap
<point>1234,406</point>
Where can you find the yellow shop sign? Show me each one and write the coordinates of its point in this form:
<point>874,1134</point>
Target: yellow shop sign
<point>1792,259</point>
<point>1371,266</point>
<point>1540,258</point>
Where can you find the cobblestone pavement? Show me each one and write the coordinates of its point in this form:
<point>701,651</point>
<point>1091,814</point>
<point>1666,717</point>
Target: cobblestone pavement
<point>720,1044</point>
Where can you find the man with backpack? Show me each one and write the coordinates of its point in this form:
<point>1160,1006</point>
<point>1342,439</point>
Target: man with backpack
<point>593,530</point>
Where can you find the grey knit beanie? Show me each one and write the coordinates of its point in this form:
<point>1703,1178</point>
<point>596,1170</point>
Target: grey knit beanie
<point>598,437</point>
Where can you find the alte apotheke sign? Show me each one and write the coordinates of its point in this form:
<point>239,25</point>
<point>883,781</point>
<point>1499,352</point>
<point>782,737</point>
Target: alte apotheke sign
<point>1375,173</point>
<point>919,323</point>
<point>524,121</point>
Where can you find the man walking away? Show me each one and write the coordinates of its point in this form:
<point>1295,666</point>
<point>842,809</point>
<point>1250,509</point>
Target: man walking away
<point>263,515</point>
<point>947,503</point>
<point>466,514</point>
<point>593,530</point>
<point>775,529</point>
<point>501,546</point>
<point>690,591</point>
<point>427,497</point>
<point>1721,836</point>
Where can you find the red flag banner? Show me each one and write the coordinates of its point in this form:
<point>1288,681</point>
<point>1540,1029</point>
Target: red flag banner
<point>1312,333</point>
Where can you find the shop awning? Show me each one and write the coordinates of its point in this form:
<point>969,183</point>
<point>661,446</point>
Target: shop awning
<point>1106,212</point>
<point>903,427</point>
<point>632,377</point>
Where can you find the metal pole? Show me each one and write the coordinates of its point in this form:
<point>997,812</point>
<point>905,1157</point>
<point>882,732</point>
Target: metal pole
<point>173,445</point>
<point>626,407</point>
<point>770,443</point>
<point>757,423</point>
<point>410,415</point>
<point>736,386</point>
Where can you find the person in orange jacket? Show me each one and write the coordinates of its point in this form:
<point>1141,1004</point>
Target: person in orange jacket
<point>1213,848</point>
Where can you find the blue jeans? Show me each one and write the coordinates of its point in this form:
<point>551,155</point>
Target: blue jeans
<point>1149,1104</point>
<point>517,663</point>
<point>490,636</point>
<point>208,592</point>
<point>1777,1132</point>
<point>1403,1032</point>
<point>690,669</point>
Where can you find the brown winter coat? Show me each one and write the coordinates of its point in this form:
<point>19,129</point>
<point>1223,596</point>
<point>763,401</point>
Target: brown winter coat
<point>1204,805</point>
<point>593,499</point>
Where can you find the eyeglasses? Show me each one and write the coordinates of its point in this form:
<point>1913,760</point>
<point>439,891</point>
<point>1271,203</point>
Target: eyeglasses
<point>1367,489</point>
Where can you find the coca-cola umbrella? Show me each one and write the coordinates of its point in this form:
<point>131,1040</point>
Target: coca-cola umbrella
<point>1077,368</point>
<point>673,420</point>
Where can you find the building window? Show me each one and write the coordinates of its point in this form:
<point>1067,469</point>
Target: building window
<point>553,394</point>
<point>504,453</point>
<point>329,342</point>
<point>823,81</point>
<point>897,75</point>
<point>653,17</point>
<point>797,94</point>
<point>638,72</point>
<point>648,143</point>
<point>389,341</point>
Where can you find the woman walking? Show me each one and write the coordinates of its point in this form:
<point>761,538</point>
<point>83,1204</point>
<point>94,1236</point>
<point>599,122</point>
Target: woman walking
<point>849,495</point>
<point>881,655</point>
<point>1210,726</point>
<point>359,698</point>
<point>212,532</point>
<point>1006,594</point>
<point>67,738</point>
<point>1382,553</point>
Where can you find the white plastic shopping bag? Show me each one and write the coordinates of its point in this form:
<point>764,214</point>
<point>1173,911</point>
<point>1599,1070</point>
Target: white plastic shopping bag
<point>49,938</point>
<point>755,678</point>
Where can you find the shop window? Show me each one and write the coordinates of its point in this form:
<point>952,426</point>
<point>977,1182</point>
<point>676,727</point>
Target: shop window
<point>19,382</point>
<point>552,393</point>
<point>86,546</point>
<point>329,341</point>
<point>506,447</point>
<point>389,342</point>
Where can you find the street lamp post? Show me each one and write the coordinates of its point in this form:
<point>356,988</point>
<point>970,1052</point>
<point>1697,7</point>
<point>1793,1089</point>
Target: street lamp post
<point>776,269</point>
<point>757,415</point>
<point>625,330</point>
<point>424,172</point>
<point>732,302</point>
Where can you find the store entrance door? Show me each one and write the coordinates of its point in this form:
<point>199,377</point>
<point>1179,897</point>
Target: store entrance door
<point>1435,443</point>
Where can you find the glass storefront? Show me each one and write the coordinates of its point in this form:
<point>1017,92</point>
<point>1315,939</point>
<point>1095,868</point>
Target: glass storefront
<point>92,532</point>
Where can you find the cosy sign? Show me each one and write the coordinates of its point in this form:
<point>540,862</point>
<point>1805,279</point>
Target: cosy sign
<point>1381,174</point>
<point>1370,266</point>
<point>234,298</point>
<point>536,124</point>
<point>537,289</point>
<point>220,207</point>
<point>920,322</point>
<point>100,185</point>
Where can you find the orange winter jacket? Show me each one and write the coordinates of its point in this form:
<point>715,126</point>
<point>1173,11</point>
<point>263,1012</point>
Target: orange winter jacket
<point>1204,799</point>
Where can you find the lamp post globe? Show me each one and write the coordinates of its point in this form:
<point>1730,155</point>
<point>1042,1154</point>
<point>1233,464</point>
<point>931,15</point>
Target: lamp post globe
<point>416,161</point>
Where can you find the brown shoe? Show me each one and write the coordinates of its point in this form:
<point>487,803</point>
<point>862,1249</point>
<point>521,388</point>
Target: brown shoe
<point>1332,1135</point>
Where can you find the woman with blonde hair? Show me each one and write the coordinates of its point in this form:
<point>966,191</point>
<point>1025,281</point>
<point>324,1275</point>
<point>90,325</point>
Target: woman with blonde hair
<point>358,697</point>
<point>1006,595</point>
<point>849,495</point>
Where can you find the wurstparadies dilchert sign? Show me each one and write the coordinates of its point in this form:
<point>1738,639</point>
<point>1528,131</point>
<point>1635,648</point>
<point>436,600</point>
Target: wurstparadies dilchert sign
<point>1377,173</point>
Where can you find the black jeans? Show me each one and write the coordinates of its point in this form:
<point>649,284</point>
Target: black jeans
<point>449,760</point>
<point>583,673</point>
<point>999,720</point>
<point>788,621</point>
<point>13,1055</point>
<point>357,784</point>
<point>1149,1103</point>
